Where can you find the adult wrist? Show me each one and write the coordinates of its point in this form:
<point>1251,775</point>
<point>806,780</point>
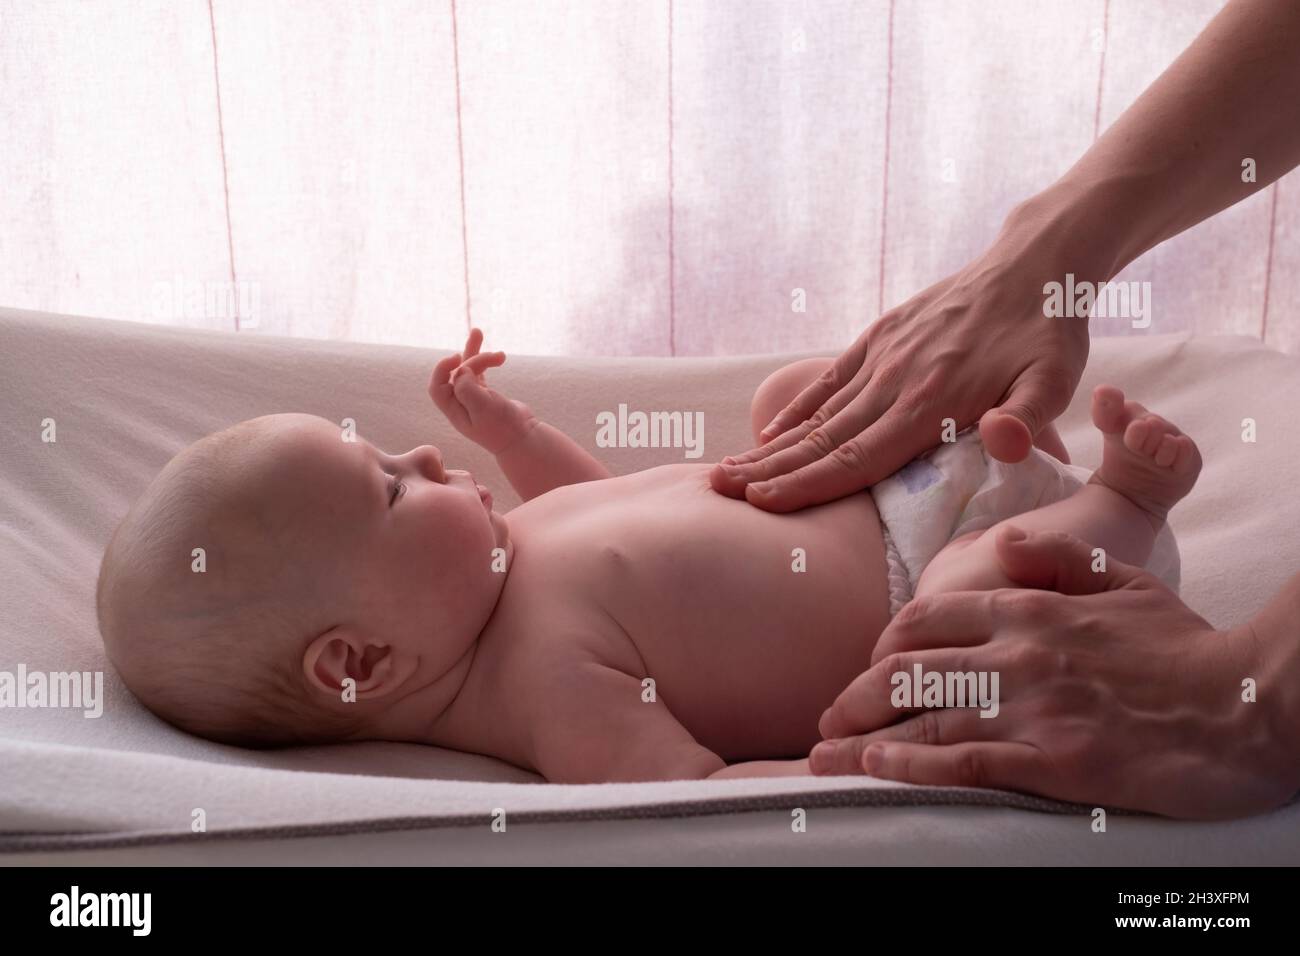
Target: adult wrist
<point>1090,229</point>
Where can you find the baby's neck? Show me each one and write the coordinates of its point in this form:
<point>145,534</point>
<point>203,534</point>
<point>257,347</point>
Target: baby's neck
<point>416,716</point>
<point>465,708</point>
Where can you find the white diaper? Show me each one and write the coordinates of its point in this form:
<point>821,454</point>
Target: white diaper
<point>957,488</point>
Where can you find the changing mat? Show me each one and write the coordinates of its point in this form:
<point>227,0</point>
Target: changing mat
<point>93,408</point>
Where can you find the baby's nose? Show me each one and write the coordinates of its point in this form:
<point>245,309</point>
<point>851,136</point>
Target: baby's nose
<point>429,461</point>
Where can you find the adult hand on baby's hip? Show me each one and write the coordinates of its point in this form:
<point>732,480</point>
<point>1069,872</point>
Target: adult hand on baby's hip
<point>1112,693</point>
<point>978,340</point>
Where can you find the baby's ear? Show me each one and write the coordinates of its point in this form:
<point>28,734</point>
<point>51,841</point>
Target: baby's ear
<point>343,663</point>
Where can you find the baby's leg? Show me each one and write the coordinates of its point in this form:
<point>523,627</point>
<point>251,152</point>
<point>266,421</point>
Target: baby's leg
<point>1147,466</point>
<point>781,388</point>
<point>784,385</point>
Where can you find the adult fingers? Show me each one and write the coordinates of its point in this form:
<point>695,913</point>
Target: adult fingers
<point>832,390</point>
<point>933,727</point>
<point>727,476</point>
<point>832,427</point>
<point>1036,398</point>
<point>780,442</point>
<point>732,472</point>
<point>867,703</point>
<point>818,473</point>
<point>1061,562</point>
<point>954,619</point>
<point>1002,765</point>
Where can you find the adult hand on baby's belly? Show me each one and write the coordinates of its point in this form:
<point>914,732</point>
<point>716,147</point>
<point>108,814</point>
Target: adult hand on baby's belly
<point>977,342</point>
<point>1111,693</point>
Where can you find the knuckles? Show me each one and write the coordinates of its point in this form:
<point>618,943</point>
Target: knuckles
<point>819,442</point>
<point>850,456</point>
<point>889,374</point>
<point>1030,606</point>
<point>923,728</point>
<point>971,768</point>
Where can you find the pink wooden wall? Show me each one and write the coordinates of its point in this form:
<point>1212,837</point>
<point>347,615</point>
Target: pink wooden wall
<point>584,177</point>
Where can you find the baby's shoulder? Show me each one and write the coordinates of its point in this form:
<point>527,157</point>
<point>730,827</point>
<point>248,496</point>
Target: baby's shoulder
<point>546,628</point>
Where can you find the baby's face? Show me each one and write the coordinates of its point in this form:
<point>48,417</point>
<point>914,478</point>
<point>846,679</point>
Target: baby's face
<point>408,544</point>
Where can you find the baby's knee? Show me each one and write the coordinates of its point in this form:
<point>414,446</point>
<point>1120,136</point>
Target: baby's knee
<point>782,387</point>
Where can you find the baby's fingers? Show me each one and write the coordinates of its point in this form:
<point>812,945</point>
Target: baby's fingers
<point>442,373</point>
<point>476,365</point>
<point>476,399</point>
<point>473,343</point>
<point>443,392</point>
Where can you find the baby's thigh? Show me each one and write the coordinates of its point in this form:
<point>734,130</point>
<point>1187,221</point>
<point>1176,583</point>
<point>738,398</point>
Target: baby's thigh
<point>781,387</point>
<point>966,563</point>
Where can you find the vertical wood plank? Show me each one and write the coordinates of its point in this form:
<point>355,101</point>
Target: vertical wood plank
<point>111,198</point>
<point>341,151</point>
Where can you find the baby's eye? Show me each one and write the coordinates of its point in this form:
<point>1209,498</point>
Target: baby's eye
<point>399,488</point>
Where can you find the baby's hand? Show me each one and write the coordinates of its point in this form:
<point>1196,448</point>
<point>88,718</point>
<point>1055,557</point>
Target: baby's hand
<point>481,414</point>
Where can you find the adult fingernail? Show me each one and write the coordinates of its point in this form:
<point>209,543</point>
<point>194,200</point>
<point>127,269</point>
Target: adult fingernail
<point>822,757</point>
<point>728,460</point>
<point>1013,534</point>
<point>763,487</point>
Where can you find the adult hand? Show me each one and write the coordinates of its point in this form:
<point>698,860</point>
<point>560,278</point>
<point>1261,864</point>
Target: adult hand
<point>976,343</point>
<point>1112,693</point>
<point>979,339</point>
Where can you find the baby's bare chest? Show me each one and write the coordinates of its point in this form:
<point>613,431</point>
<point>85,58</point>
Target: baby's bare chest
<point>724,606</point>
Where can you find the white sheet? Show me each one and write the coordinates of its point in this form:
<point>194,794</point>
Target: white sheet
<point>125,397</point>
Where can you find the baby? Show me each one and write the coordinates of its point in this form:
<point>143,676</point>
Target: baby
<point>641,627</point>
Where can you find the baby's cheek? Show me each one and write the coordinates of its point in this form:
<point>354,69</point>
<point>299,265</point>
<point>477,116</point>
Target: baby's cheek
<point>463,539</point>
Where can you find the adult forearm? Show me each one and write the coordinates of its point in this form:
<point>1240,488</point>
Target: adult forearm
<point>1176,156</point>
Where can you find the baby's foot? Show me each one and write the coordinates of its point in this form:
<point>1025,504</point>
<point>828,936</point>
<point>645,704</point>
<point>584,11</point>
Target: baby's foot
<point>1146,459</point>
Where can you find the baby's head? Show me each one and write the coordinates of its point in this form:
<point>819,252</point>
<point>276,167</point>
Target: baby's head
<point>322,559</point>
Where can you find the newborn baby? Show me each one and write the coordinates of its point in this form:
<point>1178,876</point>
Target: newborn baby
<point>641,627</point>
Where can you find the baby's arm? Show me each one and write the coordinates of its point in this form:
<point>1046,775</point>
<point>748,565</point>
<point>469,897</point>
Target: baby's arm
<point>543,458</point>
<point>534,456</point>
<point>600,729</point>
<point>764,768</point>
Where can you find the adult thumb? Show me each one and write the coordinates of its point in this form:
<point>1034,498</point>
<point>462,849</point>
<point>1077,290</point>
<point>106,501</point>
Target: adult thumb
<point>1061,562</point>
<point>1034,401</point>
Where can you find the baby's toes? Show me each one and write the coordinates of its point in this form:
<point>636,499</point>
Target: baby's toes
<point>1108,409</point>
<point>1187,458</point>
<point>1146,432</point>
<point>1167,451</point>
<point>1137,436</point>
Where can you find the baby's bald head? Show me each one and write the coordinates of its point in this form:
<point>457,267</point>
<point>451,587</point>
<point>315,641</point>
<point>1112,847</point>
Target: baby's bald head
<point>211,639</point>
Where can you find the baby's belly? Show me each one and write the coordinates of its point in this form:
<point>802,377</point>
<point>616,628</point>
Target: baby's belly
<point>750,623</point>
